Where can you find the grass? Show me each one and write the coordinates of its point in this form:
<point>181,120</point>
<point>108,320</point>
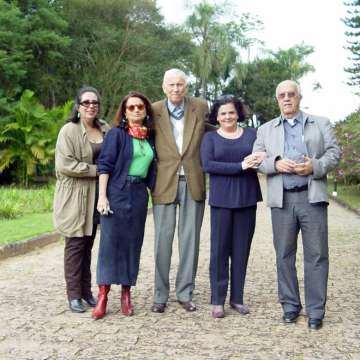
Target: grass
<point>16,202</point>
<point>26,227</point>
<point>349,194</point>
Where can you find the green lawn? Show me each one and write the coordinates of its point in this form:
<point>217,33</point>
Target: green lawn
<point>349,194</point>
<point>26,227</point>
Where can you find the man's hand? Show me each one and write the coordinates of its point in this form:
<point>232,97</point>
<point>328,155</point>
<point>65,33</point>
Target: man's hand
<point>285,166</point>
<point>305,168</point>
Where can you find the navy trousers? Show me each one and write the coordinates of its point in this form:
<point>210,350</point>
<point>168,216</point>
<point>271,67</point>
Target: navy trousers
<point>122,235</point>
<point>232,231</point>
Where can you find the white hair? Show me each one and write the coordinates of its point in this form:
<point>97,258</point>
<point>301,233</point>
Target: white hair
<point>175,72</point>
<point>289,82</point>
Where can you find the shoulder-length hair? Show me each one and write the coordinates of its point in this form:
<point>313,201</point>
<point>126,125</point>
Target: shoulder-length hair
<point>120,119</point>
<point>74,116</point>
<point>227,99</point>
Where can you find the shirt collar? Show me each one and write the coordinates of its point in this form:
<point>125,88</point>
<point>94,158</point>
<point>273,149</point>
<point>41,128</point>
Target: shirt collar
<point>296,118</point>
<point>171,106</point>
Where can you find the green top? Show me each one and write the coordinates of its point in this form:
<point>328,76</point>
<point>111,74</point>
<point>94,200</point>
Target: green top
<point>142,157</point>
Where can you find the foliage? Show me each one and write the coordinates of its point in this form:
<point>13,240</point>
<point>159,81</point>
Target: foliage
<point>218,45</point>
<point>120,46</point>
<point>29,138</point>
<point>256,82</point>
<point>348,136</point>
<point>15,202</point>
<point>352,21</point>
<point>13,53</point>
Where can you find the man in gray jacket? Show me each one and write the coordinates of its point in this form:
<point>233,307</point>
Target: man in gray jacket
<point>301,149</point>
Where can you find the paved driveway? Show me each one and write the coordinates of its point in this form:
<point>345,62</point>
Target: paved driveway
<point>35,322</point>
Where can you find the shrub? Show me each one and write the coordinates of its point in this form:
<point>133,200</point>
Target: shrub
<point>348,136</point>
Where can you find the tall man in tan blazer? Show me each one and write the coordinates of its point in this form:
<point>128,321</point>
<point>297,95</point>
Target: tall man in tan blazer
<point>180,186</point>
<point>301,149</point>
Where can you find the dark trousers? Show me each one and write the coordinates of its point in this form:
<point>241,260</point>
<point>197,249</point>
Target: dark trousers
<point>77,261</point>
<point>298,214</point>
<point>232,231</point>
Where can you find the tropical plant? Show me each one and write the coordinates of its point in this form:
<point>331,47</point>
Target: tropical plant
<point>217,45</point>
<point>28,140</point>
<point>255,82</point>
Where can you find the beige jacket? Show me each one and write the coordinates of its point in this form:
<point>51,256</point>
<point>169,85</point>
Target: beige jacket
<point>74,198</point>
<point>168,158</point>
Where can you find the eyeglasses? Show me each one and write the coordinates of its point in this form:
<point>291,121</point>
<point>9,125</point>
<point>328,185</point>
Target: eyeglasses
<point>140,107</point>
<point>290,94</point>
<point>87,103</point>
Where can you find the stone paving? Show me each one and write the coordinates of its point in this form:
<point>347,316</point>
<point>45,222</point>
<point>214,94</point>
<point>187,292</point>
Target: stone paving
<point>35,322</point>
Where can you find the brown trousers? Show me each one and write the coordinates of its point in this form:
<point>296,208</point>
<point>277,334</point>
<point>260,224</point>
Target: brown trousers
<point>77,262</point>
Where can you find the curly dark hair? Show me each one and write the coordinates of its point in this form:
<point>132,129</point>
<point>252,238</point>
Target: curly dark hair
<point>120,119</point>
<point>74,116</point>
<point>227,99</point>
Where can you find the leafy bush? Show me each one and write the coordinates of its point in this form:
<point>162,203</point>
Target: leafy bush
<point>15,202</point>
<point>28,139</point>
<point>348,136</point>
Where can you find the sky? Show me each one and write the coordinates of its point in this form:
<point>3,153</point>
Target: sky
<point>287,23</point>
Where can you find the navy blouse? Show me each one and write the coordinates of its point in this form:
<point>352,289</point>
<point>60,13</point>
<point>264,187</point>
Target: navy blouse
<point>116,156</point>
<point>230,185</point>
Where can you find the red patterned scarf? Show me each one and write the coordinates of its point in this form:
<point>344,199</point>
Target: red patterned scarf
<point>138,132</point>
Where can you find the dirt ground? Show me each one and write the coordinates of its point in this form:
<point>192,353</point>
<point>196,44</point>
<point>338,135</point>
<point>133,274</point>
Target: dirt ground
<point>36,323</point>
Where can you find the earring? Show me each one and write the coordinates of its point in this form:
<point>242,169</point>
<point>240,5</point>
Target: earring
<point>78,115</point>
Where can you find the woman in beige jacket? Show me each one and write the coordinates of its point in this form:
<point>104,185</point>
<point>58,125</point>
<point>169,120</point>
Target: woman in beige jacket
<point>75,216</point>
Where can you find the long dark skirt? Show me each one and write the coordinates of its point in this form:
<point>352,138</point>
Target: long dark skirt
<point>122,235</point>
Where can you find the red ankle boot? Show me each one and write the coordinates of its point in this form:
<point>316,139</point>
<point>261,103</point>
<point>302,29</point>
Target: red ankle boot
<point>126,306</point>
<point>100,310</point>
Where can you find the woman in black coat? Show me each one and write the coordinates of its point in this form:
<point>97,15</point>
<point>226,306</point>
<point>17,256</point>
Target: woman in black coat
<point>127,168</point>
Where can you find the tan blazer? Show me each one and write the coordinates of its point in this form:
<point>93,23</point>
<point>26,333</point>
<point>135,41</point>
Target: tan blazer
<point>169,160</point>
<point>74,199</point>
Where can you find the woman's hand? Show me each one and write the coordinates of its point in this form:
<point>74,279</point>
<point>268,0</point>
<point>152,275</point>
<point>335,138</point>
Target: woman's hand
<point>103,206</point>
<point>253,160</point>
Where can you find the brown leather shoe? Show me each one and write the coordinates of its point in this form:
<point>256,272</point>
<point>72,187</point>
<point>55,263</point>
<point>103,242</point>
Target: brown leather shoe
<point>187,305</point>
<point>158,307</point>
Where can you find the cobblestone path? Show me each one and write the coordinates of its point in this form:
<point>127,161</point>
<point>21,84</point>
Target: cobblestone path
<point>35,322</point>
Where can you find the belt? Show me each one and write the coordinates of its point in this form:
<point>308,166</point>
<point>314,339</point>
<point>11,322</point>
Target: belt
<point>134,179</point>
<point>182,177</point>
<point>297,189</point>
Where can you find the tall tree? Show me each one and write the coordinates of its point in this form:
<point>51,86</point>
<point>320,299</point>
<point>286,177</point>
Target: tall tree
<point>47,41</point>
<point>218,41</point>
<point>120,46</point>
<point>13,55</point>
<point>255,82</point>
<point>352,21</point>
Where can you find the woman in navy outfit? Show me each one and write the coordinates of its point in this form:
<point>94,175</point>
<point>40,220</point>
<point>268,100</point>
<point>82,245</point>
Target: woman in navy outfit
<point>127,168</point>
<point>234,191</point>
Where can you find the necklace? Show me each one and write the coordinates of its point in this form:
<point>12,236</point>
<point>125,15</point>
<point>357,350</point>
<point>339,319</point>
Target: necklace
<point>231,135</point>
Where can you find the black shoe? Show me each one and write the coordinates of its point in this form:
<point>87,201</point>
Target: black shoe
<point>90,300</point>
<point>290,317</point>
<point>158,307</point>
<point>76,306</point>
<point>315,324</point>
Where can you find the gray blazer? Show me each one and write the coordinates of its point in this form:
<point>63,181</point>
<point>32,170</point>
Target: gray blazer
<point>322,148</point>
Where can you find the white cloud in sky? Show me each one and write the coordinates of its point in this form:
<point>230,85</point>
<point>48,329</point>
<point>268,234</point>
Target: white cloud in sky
<point>287,23</point>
